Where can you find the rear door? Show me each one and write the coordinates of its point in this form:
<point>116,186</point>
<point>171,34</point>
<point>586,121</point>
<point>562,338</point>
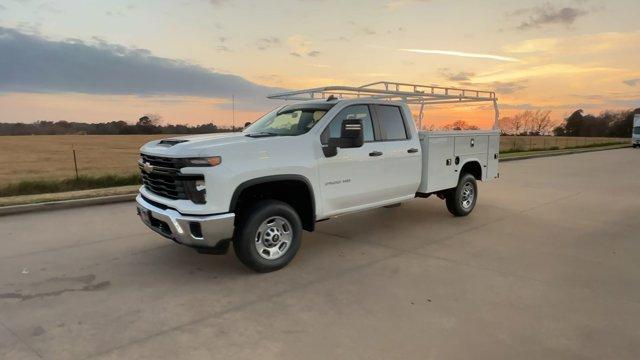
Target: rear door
<point>401,152</point>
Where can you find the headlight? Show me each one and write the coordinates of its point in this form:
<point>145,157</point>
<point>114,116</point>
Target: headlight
<point>208,161</point>
<point>196,190</point>
<point>200,186</point>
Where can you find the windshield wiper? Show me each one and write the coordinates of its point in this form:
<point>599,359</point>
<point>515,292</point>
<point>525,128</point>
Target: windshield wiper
<point>262,134</point>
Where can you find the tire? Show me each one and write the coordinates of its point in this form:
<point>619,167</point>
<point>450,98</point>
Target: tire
<point>462,199</point>
<point>260,239</point>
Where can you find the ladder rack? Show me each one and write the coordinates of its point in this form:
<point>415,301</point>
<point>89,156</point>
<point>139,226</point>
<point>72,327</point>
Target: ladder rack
<point>395,91</point>
<point>410,93</point>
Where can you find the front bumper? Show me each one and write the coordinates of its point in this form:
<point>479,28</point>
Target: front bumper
<point>194,231</point>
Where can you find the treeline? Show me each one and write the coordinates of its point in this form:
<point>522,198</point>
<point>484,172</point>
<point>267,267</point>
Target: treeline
<point>607,124</point>
<point>531,123</point>
<point>109,128</point>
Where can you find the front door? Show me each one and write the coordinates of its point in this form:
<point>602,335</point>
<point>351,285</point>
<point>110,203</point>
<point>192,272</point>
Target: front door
<point>353,177</point>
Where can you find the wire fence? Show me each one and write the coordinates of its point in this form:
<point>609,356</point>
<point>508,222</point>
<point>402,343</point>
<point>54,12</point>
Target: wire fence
<point>46,157</point>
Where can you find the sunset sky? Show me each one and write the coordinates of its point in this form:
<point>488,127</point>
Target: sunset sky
<point>110,60</point>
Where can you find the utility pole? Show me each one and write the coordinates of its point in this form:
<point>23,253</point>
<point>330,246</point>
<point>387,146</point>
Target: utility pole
<point>233,113</point>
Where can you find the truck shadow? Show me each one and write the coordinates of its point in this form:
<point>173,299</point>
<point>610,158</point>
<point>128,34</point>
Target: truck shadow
<point>413,225</point>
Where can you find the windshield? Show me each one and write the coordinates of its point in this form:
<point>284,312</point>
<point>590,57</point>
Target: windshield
<point>636,130</point>
<point>289,120</point>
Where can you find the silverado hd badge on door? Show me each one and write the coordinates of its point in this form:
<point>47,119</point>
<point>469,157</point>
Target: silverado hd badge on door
<point>337,182</point>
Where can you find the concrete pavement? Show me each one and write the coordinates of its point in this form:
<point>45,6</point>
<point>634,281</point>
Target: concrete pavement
<point>547,266</point>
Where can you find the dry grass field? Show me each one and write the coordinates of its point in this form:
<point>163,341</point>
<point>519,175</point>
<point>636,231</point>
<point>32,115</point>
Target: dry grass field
<point>51,157</point>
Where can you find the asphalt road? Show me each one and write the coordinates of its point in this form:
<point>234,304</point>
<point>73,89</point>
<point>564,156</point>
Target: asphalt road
<point>547,266</point>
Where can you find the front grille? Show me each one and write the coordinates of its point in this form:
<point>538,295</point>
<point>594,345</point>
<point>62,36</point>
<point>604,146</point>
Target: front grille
<point>163,178</point>
<point>166,162</point>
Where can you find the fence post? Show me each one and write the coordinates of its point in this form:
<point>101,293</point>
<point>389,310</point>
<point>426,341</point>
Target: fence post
<point>75,163</point>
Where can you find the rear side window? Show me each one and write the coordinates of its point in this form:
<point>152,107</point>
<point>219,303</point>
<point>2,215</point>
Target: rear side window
<point>391,123</point>
<point>351,112</point>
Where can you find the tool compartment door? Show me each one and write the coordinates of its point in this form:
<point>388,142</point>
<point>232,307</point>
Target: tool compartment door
<point>438,168</point>
<point>471,145</point>
<point>492,157</point>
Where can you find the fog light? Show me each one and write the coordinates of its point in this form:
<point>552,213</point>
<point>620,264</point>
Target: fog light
<point>196,230</point>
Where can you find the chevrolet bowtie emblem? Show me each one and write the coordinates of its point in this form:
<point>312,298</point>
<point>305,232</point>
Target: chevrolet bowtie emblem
<point>148,168</point>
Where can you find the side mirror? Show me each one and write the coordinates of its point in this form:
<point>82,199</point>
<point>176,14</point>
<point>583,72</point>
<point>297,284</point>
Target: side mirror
<point>247,124</point>
<point>351,136</point>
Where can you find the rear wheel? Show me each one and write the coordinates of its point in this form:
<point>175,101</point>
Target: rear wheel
<point>268,236</point>
<point>462,199</point>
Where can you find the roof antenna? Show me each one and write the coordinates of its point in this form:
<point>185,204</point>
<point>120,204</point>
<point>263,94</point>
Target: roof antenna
<point>332,97</point>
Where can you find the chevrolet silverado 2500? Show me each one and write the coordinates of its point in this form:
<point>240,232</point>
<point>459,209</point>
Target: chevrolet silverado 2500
<point>334,151</point>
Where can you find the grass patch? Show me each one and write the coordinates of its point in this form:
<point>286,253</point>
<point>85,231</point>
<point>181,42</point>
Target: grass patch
<point>561,151</point>
<point>596,145</point>
<point>610,143</point>
<point>30,187</point>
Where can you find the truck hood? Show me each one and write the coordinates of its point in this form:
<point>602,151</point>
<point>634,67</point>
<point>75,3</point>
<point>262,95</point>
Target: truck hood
<point>193,145</point>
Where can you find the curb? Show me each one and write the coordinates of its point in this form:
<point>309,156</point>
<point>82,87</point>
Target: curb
<point>70,204</point>
<point>568,152</point>
<point>65,204</point>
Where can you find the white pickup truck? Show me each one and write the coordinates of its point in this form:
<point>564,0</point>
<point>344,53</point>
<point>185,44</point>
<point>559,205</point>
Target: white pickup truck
<point>336,150</point>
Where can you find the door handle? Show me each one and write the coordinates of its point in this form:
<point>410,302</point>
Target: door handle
<point>375,153</point>
<point>412,150</point>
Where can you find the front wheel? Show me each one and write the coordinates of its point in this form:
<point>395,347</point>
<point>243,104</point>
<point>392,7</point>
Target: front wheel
<point>462,199</point>
<point>268,236</point>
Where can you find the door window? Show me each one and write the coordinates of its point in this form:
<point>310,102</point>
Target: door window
<point>351,112</point>
<point>391,123</point>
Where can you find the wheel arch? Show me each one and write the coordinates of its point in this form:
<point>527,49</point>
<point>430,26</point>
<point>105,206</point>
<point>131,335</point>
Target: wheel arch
<point>473,167</point>
<point>273,186</point>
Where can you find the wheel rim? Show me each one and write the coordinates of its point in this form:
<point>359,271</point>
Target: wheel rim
<point>273,238</point>
<point>467,195</point>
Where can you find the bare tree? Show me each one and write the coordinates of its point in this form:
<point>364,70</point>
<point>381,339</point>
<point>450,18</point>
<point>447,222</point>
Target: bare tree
<point>460,125</point>
<point>150,120</point>
<point>512,125</point>
<point>541,123</point>
<point>528,123</point>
